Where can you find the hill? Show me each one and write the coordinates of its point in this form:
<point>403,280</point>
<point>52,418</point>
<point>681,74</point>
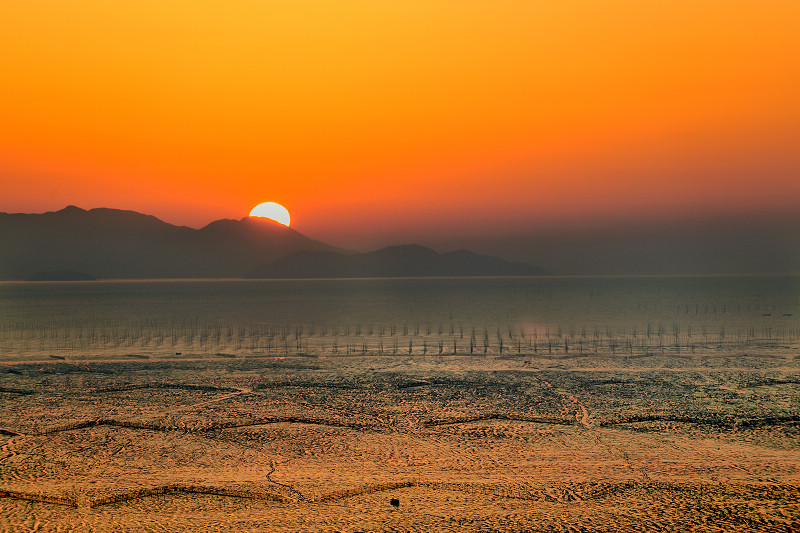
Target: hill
<point>112,243</point>
<point>691,244</point>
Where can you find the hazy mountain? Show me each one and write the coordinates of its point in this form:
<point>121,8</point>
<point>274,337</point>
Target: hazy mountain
<point>394,261</point>
<point>111,243</point>
<point>762,243</point>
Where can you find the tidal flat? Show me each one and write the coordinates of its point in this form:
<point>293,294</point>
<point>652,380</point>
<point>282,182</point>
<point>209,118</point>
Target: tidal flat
<point>568,442</point>
<point>547,316</point>
<point>483,404</point>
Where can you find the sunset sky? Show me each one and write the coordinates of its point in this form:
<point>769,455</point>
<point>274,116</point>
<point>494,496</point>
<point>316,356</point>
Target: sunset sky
<point>385,121</point>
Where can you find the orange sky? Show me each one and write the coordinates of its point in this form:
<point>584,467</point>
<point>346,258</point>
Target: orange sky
<point>369,118</point>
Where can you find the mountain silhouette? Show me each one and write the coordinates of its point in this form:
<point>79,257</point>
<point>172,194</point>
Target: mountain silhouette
<point>74,243</point>
<point>112,243</point>
<point>395,261</point>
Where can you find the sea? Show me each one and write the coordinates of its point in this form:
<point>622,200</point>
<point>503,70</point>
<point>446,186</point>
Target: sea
<point>513,317</point>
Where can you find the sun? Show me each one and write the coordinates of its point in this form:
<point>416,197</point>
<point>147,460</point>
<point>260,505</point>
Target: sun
<point>273,211</point>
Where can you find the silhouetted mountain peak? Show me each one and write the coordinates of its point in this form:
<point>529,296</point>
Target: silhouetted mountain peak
<point>115,243</point>
<point>71,210</point>
<point>256,232</point>
<point>262,224</point>
<point>97,220</point>
<point>221,225</point>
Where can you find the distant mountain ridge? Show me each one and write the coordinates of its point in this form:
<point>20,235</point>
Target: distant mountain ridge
<point>394,261</point>
<point>108,243</point>
<point>113,243</point>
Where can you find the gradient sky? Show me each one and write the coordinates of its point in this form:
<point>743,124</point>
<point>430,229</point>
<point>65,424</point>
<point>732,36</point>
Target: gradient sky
<point>376,120</point>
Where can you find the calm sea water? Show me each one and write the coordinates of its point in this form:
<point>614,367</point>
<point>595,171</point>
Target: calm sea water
<point>551,315</point>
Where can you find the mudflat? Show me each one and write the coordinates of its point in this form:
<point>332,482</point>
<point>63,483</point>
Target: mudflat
<point>402,443</point>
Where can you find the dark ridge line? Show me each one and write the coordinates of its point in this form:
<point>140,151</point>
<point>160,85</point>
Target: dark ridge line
<point>16,391</point>
<point>655,418</point>
<point>429,423</point>
<point>282,419</point>
<point>747,422</point>
<point>361,387</point>
<point>366,489</point>
<point>415,384</point>
<point>341,386</point>
<point>451,421</point>
<point>771,382</point>
<point>109,422</point>
<point>165,385</point>
<point>202,429</point>
<point>562,493</point>
<point>754,422</point>
<point>186,489</point>
<point>41,498</point>
<point>59,368</point>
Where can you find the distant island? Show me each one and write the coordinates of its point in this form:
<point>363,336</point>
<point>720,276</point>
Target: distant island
<point>67,244</point>
<point>394,261</point>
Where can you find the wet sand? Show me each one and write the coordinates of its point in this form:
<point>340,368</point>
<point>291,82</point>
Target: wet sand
<point>594,443</point>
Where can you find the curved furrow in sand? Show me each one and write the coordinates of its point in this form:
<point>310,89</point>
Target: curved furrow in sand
<point>204,428</point>
<point>562,493</point>
<point>497,416</point>
<point>748,422</point>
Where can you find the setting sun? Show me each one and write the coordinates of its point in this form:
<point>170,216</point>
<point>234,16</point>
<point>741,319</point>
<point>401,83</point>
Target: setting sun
<point>273,211</point>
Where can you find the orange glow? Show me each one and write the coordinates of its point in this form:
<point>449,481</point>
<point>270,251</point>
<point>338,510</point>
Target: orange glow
<point>398,116</point>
